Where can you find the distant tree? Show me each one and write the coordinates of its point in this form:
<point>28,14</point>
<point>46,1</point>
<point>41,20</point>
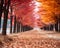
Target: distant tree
<point>6,10</point>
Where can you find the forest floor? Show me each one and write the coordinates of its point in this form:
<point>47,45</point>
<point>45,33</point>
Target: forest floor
<point>31,39</point>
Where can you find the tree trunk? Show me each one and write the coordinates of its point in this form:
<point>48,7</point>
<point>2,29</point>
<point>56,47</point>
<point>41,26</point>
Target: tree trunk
<point>21,28</point>
<point>18,27</point>
<point>6,10</point>
<point>51,27</point>
<point>14,30</point>
<point>56,27</point>
<point>1,10</point>
<point>45,28</point>
<point>59,22</point>
<point>11,17</point>
<point>59,27</point>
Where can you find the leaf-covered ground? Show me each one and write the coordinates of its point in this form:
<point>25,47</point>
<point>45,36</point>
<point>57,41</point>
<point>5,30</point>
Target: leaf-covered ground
<point>31,39</point>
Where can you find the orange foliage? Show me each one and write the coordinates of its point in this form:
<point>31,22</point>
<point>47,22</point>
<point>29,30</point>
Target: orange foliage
<point>50,8</point>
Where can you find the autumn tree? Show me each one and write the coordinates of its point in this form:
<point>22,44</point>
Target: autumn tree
<point>1,9</point>
<point>6,10</point>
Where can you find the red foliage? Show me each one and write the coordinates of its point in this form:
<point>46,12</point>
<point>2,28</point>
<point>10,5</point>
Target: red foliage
<point>19,1</point>
<point>29,13</point>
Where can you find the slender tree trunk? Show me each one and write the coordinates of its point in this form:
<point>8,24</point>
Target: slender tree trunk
<point>6,10</point>
<point>14,30</point>
<point>45,28</point>
<point>56,27</point>
<point>1,9</point>
<point>59,22</point>
<point>21,28</point>
<point>11,17</point>
<point>59,27</point>
<point>51,27</point>
<point>18,27</point>
<point>24,28</point>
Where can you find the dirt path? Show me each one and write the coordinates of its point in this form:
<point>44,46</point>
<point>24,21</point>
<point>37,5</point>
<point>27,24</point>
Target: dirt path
<point>31,39</point>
